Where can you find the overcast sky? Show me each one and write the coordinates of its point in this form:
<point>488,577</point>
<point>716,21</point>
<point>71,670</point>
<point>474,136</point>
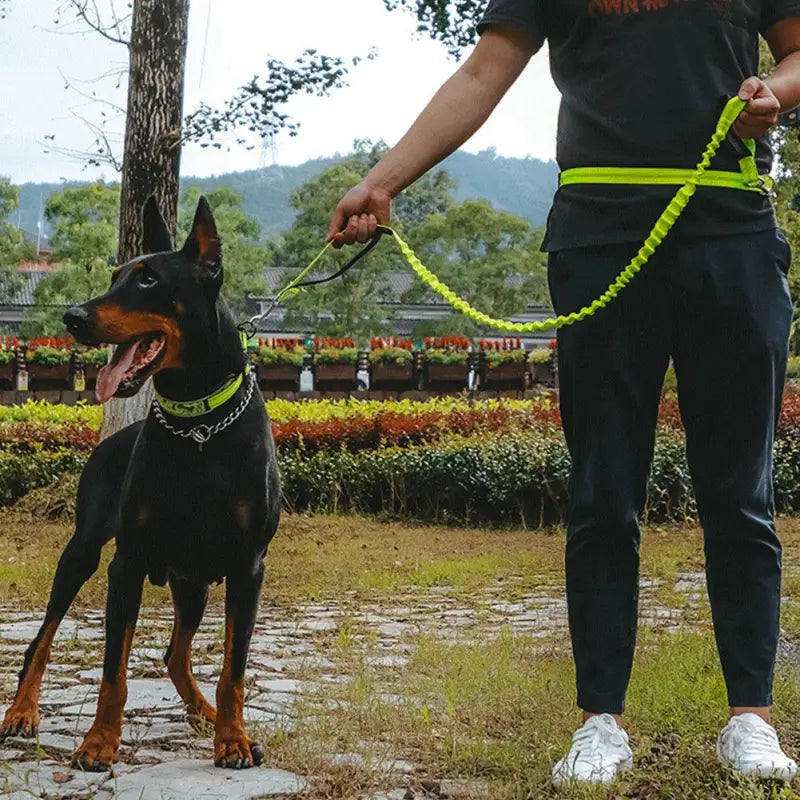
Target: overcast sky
<point>229,42</point>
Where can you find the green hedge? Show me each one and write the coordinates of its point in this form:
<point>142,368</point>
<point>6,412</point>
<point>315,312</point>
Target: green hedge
<point>21,473</point>
<point>505,480</point>
<point>497,479</point>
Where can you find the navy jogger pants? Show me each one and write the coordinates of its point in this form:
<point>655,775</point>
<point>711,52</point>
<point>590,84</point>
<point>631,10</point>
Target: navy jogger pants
<point>721,309</point>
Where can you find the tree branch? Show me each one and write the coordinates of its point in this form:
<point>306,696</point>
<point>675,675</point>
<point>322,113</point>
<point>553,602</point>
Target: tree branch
<point>104,152</point>
<point>255,107</point>
<point>451,22</point>
<point>86,11</point>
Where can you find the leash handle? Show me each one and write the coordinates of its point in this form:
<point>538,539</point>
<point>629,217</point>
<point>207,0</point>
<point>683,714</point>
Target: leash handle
<point>249,328</point>
<point>381,230</point>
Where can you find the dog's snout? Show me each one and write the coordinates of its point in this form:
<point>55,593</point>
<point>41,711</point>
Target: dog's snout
<point>76,320</point>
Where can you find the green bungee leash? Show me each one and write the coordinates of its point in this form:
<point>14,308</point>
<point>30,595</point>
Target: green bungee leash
<point>748,179</point>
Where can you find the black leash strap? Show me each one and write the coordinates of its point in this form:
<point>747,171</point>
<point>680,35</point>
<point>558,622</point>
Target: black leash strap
<point>250,327</point>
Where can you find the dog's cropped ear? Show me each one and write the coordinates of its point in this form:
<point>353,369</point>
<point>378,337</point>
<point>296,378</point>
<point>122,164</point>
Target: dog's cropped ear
<point>203,246</point>
<point>157,238</point>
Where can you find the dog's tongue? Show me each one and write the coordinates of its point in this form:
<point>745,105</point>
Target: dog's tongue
<point>110,376</point>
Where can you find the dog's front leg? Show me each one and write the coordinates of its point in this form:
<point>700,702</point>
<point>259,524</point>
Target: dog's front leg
<point>99,749</point>
<point>232,748</point>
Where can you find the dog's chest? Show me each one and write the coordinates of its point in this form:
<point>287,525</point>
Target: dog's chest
<point>193,521</point>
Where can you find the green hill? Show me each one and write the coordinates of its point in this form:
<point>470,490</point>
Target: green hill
<point>523,186</point>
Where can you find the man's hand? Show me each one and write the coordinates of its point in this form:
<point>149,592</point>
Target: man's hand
<point>761,112</point>
<point>362,208</point>
<point>454,113</point>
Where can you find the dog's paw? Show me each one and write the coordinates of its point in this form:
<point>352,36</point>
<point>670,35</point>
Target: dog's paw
<point>237,752</point>
<point>20,720</point>
<point>97,753</point>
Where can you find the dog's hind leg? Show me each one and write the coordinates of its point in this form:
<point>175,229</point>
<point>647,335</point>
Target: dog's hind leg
<point>189,600</point>
<point>98,498</point>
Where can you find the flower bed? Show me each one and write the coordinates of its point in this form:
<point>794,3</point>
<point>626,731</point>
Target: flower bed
<point>48,362</point>
<point>445,460</point>
<point>446,363</point>
<point>335,364</point>
<point>391,364</point>
<point>504,363</point>
<point>541,364</point>
<point>92,360</point>
<point>8,355</point>
<point>278,363</point>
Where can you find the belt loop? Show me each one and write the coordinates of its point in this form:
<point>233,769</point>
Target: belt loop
<point>748,166</point>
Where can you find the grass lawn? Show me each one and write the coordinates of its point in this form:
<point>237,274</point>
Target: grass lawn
<point>483,710</point>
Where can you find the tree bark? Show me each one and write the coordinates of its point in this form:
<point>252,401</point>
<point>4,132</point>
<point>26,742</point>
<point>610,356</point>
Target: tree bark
<point>151,159</point>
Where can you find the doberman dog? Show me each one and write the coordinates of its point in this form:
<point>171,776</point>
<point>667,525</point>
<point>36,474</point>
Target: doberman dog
<point>189,504</point>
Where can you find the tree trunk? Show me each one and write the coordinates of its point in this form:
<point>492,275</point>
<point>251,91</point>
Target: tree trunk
<point>151,160</point>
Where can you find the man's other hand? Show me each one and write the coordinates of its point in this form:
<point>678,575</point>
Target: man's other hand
<point>761,112</point>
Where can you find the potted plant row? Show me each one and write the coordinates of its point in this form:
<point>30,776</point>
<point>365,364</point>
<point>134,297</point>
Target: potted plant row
<point>446,363</point>
<point>278,363</point>
<point>504,363</point>
<point>8,355</point>
<point>92,360</point>
<point>335,364</point>
<point>541,361</point>
<point>391,363</point>
<point>48,361</point>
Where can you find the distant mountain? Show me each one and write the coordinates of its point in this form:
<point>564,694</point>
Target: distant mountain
<point>523,186</point>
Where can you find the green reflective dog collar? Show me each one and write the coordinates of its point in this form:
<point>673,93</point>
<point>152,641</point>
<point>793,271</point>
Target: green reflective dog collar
<point>197,408</point>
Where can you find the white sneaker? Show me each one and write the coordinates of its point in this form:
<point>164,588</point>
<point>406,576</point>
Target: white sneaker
<point>598,754</point>
<point>750,746</point>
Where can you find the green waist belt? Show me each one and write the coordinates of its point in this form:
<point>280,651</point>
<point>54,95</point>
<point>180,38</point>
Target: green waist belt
<point>748,179</point>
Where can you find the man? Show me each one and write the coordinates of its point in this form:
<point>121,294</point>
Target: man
<point>643,83</point>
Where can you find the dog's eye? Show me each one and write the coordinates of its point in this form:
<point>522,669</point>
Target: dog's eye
<point>146,280</point>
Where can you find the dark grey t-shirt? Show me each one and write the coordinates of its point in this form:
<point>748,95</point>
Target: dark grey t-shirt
<point>643,83</point>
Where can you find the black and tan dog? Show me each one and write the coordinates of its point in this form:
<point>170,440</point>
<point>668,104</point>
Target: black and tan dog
<point>191,494</point>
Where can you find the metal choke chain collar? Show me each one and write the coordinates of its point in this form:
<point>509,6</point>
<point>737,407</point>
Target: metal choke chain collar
<point>201,434</point>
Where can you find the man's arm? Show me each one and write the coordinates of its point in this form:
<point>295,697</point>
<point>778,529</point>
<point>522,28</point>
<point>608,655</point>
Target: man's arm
<point>457,110</point>
<point>780,91</point>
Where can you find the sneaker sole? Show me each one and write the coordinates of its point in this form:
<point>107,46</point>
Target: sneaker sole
<point>786,776</point>
<point>622,768</point>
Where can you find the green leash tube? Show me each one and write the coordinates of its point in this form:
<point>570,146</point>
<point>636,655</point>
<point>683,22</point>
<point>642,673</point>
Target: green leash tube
<point>656,236</point>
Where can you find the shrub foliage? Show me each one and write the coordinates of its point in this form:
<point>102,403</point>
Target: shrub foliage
<point>448,460</point>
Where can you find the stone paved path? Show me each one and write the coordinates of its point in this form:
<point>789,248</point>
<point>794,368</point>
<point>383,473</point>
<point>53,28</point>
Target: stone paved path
<point>290,657</point>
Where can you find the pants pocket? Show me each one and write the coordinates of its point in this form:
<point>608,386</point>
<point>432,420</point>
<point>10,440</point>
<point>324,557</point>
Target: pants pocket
<point>783,256</point>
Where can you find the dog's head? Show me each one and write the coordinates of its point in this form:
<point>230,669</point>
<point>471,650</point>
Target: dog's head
<point>147,310</point>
